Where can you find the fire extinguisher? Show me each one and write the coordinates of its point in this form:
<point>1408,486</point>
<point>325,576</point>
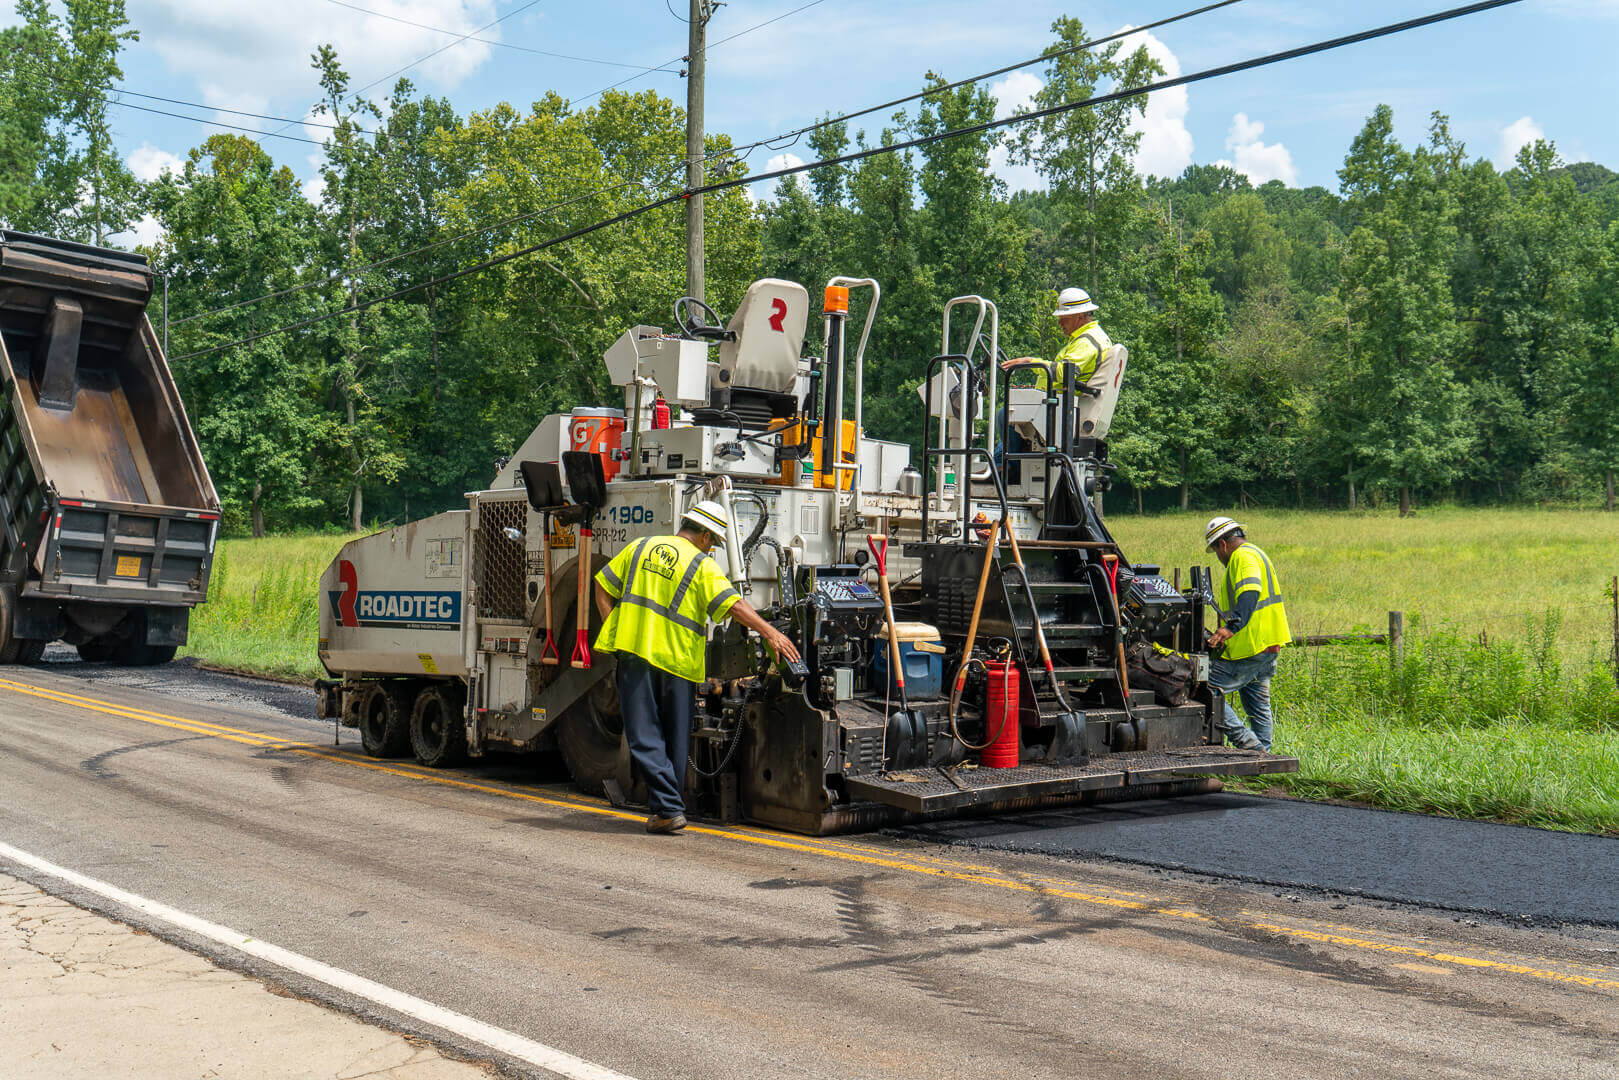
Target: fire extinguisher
<point>660,414</point>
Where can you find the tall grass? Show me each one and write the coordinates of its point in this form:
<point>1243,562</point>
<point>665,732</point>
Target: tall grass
<point>1498,728</point>
<point>262,613</point>
<point>1472,569</point>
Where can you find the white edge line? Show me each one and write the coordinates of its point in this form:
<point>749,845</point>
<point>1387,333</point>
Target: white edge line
<point>499,1039</point>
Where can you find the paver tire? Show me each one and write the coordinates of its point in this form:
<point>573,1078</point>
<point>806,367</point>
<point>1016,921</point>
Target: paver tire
<point>98,650</point>
<point>438,731</point>
<point>385,720</point>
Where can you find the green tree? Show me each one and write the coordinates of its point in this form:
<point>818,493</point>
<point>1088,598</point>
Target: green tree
<point>1087,154</point>
<point>236,227</point>
<point>1414,429</point>
<point>1594,383</point>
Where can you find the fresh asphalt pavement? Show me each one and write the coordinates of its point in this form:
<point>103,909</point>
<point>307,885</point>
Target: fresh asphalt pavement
<point>1463,866</point>
<point>1027,946</point>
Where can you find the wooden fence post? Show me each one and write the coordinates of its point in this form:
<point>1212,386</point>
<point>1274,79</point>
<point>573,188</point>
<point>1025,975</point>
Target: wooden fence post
<point>1396,639</point>
<point>1616,629</point>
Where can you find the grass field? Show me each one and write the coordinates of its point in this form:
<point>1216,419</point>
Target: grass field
<point>1504,708</point>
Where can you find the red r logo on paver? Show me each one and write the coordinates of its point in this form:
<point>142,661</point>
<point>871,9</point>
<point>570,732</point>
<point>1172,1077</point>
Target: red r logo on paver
<point>778,308</point>
<point>350,580</point>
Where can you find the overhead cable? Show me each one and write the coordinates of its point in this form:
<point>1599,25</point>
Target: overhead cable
<point>486,41</point>
<point>973,129</point>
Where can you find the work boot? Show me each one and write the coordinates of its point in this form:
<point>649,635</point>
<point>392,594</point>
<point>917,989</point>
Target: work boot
<point>1246,740</point>
<point>659,824</point>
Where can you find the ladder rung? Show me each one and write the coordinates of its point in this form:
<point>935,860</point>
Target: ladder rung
<point>1068,674</point>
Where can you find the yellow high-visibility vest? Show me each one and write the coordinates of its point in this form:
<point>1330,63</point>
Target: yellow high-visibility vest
<point>667,591</point>
<point>1250,570</point>
<point>1078,357</point>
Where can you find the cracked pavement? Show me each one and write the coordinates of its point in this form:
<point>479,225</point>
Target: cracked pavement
<point>87,996</point>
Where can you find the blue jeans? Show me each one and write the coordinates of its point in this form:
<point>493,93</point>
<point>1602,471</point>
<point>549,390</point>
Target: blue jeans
<point>1249,678</point>
<point>657,708</point>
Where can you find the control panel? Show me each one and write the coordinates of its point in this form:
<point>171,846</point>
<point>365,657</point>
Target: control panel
<point>838,590</point>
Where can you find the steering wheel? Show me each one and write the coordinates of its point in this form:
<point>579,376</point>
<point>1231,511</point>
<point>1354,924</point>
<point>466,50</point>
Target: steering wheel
<point>707,321</point>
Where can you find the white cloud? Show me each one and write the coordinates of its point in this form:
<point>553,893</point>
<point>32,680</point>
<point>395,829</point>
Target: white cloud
<point>146,232</point>
<point>1514,137</point>
<point>1166,145</point>
<point>1259,161</point>
<point>314,188</point>
<point>148,162</point>
<point>1012,93</point>
<point>765,190</point>
<point>245,54</point>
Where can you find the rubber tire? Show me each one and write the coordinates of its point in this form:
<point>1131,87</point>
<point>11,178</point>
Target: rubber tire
<point>438,732</point>
<point>590,735</point>
<point>140,654</point>
<point>385,720</point>
<point>10,647</point>
<point>32,652</point>
<point>98,650</point>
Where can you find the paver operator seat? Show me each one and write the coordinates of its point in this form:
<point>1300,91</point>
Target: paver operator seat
<point>756,377</point>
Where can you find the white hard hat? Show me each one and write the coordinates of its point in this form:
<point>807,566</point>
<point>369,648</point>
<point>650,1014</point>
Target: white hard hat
<point>708,515</point>
<point>1074,301</point>
<point>1218,528</point>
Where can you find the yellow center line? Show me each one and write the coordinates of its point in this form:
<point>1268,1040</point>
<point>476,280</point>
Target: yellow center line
<point>845,851</point>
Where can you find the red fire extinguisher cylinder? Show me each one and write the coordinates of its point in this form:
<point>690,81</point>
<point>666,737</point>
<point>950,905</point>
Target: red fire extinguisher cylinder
<point>1001,715</point>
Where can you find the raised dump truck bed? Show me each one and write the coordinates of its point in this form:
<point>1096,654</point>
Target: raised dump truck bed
<point>107,513</point>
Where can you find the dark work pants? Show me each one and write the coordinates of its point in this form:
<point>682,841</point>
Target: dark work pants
<point>657,709</point>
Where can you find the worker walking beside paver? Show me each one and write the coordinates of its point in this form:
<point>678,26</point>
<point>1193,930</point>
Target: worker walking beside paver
<point>656,598</point>
<point>1253,630</point>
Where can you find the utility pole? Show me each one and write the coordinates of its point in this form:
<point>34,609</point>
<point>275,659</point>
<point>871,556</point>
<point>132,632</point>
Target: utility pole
<point>701,12</point>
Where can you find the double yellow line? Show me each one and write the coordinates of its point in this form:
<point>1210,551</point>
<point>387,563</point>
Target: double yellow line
<point>850,851</point>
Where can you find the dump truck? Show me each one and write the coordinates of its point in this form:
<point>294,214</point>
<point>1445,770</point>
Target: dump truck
<point>973,638</point>
<point>107,513</point>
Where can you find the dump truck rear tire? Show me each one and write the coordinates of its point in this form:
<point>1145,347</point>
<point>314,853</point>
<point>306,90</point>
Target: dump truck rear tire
<point>32,652</point>
<point>10,646</point>
<point>438,732</point>
<point>385,720</point>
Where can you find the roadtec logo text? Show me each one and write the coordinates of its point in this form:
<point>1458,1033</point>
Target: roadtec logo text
<point>408,609</point>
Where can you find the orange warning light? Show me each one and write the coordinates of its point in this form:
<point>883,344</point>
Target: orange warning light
<point>837,300</point>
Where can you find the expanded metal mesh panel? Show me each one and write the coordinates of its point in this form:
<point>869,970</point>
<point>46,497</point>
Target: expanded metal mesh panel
<point>499,569</point>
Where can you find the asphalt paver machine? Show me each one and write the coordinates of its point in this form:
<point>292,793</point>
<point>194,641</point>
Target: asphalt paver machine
<point>973,638</point>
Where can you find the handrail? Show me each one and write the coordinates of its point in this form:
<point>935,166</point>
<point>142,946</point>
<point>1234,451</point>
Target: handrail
<point>836,432</point>
<point>987,308</point>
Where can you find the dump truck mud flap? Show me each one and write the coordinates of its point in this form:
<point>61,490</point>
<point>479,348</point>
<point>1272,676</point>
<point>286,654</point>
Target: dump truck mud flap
<point>943,790</point>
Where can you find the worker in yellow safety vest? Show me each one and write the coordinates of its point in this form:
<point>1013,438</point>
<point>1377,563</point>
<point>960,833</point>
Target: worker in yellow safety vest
<point>1253,630</point>
<point>656,598</point>
<point>1082,350</point>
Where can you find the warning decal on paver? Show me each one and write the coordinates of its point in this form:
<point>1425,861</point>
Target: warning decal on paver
<point>128,566</point>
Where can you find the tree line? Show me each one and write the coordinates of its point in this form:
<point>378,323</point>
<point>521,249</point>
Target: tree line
<point>1434,328</point>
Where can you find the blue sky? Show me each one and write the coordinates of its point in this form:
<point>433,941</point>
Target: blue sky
<point>1539,68</point>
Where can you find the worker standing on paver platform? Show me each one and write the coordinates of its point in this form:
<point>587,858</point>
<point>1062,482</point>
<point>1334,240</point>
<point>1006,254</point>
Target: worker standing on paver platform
<point>1253,630</point>
<point>666,589</point>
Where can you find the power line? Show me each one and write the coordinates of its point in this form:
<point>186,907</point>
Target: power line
<point>1121,95</point>
<point>723,185</point>
<point>484,41</point>
<point>451,45</point>
<point>1042,58</point>
<point>214,123</point>
<point>663,66</point>
<point>352,270</point>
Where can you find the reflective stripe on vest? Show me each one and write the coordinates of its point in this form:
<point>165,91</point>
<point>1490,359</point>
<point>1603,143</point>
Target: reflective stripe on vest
<point>1267,626</point>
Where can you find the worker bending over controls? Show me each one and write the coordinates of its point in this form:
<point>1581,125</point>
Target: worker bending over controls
<point>656,598</point>
<point>1253,630</point>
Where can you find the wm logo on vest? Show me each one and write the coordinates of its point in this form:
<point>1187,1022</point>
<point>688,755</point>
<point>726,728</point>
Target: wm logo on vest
<point>407,609</point>
<point>662,560</point>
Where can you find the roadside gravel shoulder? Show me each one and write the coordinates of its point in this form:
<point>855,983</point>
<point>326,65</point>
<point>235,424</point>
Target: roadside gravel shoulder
<point>88,996</point>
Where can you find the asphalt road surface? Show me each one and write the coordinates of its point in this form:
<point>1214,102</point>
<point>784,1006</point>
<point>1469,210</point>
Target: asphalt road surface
<point>1032,947</point>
